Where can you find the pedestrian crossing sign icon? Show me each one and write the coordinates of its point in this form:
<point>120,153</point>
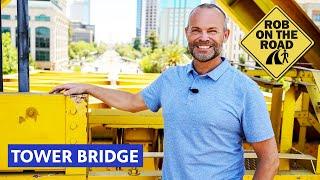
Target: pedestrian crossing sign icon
<point>276,43</point>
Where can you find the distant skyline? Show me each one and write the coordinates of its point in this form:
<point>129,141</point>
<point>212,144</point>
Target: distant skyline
<point>115,21</point>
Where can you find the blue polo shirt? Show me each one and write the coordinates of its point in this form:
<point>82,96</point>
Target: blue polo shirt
<point>203,132</point>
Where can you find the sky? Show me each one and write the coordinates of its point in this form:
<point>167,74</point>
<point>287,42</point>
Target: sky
<point>114,20</point>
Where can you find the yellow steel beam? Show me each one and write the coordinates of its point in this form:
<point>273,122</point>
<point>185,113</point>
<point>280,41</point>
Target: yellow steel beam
<point>4,3</point>
<point>303,129</point>
<point>245,13</point>
<point>318,161</point>
<point>287,126</point>
<point>42,176</point>
<point>76,126</point>
<point>276,111</point>
<point>41,119</point>
<point>121,119</point>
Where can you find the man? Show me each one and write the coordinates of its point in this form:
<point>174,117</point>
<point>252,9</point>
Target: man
<point>208,107</point>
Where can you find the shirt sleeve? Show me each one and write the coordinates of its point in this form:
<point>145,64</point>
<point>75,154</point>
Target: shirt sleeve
<point>256,121</point>
<point>152,93</point>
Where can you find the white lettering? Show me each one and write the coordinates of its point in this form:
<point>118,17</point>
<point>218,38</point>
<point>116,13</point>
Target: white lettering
<point>134,156</point>
<point>42,155</point>
<point>124,158</point>
<point>15,155</point>
<point>23,158</point>
<point>113,156</point>
<point>82,158</point>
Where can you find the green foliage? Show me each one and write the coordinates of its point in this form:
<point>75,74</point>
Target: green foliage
<point>81,49</point>
<point>242,61</point>
<point>161,58</point>
<point>10,55</point>
<point>101,48</point>
<point>174,55</point>
<point>152,63</point>
<point>137,44</point>
<point>153,40</point>
<point>126,50</point>
<point>76,68</point>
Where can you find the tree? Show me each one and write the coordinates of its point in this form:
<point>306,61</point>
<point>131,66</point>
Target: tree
<point>137,44</point>
<point>101,48</point>
<point>81,49</point>
<point>127,51</point>
<point>153,40</point>
<point>9,55</point>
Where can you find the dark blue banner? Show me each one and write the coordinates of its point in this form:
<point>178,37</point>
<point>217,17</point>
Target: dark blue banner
<point>77,155</point>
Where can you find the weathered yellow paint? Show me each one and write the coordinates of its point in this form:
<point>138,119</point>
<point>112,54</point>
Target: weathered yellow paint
<point>276,108</point>
<point>4,3</point>
<point>76,126</point>
<point>41,119</point>
<point>287,126</point>
<point>117,118</point>
<point>28,119</point>
<point>303,129</point>
<point>318,161</point>
<point>264,5</point>
<point>42,176</point>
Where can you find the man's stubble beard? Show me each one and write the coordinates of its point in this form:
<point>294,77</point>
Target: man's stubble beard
<point>215,52</point>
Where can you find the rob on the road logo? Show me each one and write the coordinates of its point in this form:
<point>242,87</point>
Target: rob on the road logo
<point>276,43</point>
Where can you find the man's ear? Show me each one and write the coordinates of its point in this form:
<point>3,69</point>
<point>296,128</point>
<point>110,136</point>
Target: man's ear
<point>226,35</point>
<point>186,32</point>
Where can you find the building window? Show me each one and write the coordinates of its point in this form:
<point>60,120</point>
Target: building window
<point>5,16</point>
<point>42,44</point>
<point>5,30</point>
<point>42,55</point>
<point>42,17</point>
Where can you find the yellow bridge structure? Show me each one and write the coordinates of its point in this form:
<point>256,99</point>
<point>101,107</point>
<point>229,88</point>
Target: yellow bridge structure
<point>37,117</point>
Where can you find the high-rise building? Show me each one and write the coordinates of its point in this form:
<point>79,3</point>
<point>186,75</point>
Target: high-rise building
<point>79,11</point>
<point>152,16</point>
<point>140,20</point>
<point>173,20</point>
<point>147,18</point>
<point>48,28</point>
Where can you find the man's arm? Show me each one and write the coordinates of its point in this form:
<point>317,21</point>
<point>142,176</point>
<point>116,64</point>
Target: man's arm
<point>268,159</point>
<point>121,100</point>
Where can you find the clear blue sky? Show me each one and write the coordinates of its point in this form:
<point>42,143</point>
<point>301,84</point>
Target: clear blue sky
<point>115,20</point>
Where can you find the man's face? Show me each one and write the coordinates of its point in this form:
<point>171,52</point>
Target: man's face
<point>205,34</point>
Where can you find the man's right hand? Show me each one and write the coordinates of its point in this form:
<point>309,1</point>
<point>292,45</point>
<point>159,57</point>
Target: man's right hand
<point>71,88</point>
<point>112,97</point>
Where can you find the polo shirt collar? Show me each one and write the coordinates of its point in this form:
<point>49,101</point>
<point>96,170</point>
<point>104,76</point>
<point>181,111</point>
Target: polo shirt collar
<point>214,74</point>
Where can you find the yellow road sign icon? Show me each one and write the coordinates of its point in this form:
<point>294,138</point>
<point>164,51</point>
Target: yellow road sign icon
<point>276,42</point>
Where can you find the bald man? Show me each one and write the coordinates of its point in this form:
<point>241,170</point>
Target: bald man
<point>208,106</point>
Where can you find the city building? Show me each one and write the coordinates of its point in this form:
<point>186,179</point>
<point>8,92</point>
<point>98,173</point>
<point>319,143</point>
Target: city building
<point>140,20</point>
<point>48,28</point>
<point>82,32</point>
<point>173,20</point>
<point>312,9</point>
<point>147,18</point>
<point>232,49</point>
<point>79,11</point>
